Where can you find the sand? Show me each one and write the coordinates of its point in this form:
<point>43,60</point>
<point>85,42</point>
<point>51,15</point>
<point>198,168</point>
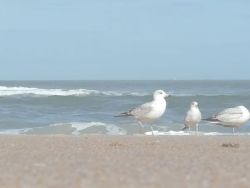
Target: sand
<point>124,161</point>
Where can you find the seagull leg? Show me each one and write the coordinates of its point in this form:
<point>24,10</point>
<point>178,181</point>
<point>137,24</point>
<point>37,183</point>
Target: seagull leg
<point>141,126</point>
<point>140,123</point>
<point>151,127</point>
<point>197,128</point>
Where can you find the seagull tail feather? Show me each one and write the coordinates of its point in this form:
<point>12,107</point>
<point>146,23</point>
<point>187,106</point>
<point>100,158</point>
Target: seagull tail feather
<point>212,119</point>
<point>183,129</point>
<point>124,114</point>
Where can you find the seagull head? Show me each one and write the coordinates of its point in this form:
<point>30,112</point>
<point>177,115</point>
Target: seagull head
<point>160,94</point>
<point>195,104</point>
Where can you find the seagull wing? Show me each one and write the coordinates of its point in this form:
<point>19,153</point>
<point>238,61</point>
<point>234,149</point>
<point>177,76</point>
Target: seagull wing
<point>229,115</point>
<point>139,111</point>
<point>142,110</point>
<point>235,110</point>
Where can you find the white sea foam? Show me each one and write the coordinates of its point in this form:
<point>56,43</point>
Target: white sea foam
<point>184,133</point>
<point>14,131</point>
<point>10,91</point>
<point>112,129</point>
<point>30,91</point>
<point>81,126</point>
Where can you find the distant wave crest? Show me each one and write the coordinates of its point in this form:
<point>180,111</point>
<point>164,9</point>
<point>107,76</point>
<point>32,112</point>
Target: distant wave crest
<point>36,92</point>
<point>28,91</point>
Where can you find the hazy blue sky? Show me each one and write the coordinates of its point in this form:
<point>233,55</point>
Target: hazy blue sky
<point>124,39</point>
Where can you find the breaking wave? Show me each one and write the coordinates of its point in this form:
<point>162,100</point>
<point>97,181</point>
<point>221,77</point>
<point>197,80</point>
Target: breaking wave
<point>28,91</point>
<point>110,129</point>
<point>74,128</point>
<point>41,92</point>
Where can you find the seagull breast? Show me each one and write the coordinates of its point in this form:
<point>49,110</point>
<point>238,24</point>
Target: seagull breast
<point>158,109</point>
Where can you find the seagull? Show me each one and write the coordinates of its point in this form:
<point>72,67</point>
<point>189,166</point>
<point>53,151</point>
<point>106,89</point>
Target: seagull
<point>193,116</point>
<point>231,117</point>
<point>150,111</point>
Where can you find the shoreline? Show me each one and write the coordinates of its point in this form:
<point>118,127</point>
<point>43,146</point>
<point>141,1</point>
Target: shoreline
<point>124,161</point>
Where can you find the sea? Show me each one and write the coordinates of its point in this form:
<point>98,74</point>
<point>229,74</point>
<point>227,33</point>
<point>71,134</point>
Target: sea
<point>90,107</point>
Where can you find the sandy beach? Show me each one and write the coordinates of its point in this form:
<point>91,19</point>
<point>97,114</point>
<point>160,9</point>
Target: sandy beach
<point>124,161</point>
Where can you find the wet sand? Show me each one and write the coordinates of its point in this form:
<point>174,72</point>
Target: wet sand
<point>124,161</point>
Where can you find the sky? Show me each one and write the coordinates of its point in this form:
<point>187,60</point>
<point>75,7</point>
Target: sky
<point>124,39</point>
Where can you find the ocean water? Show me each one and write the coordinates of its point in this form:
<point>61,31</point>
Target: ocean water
<point>89,107</point>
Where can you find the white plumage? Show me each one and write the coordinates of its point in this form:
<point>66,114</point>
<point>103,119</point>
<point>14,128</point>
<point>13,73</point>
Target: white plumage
<point>150,111</point>
<point>193,116</point>
<point>231,117</point>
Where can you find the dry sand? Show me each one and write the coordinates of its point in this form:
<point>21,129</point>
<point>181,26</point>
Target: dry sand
<point>125,161</point>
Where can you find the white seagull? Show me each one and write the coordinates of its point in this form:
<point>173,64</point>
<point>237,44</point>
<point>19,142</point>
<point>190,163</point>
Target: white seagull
<point>231,117</point>
<point>150,111</point>
<point>193,116</point>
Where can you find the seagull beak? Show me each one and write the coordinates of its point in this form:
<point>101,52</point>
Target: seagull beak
<point>167,95</point>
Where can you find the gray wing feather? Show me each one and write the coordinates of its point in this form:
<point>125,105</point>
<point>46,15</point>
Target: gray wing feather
<point>229,117</point>
<point>141,110</point>
<point>230,114</point>
<point>230,111</point>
